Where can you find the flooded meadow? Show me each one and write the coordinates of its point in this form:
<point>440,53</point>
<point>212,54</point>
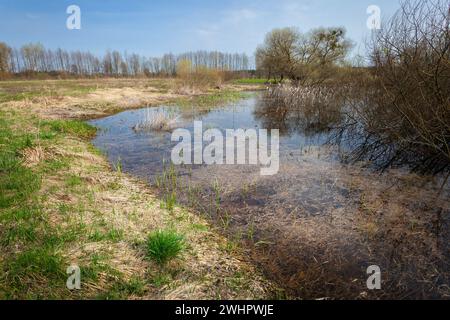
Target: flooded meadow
<point>314,227</point>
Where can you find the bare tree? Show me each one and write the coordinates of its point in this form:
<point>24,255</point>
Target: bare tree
<point>5,58</point>
<point>35,58</point>
<point>406,117</point>
<point>287,53</point>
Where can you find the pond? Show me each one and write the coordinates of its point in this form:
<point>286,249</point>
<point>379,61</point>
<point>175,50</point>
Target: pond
<point>315,226</point>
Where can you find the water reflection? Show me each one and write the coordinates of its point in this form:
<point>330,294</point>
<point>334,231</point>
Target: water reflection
<point>316,219</point>
<point>143,153</point>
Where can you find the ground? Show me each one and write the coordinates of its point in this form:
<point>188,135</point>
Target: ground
<point>62,204</point>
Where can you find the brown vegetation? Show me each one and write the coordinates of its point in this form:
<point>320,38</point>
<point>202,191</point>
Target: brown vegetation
<point>192,79</point>
<point>395,113</point>
<point>77,210</point>
<point>402,117</point>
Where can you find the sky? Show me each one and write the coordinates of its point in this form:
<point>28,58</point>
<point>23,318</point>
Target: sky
<point>155,27</point>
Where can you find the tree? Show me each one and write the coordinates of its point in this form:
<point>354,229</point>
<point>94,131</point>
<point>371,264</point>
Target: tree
<point>287,53</point>
<point>107,64</point>
<point>5,58</point>
<point>277,56</point>
<point>116,61</point>
<point>33,57</point>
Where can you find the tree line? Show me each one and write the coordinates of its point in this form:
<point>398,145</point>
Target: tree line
<point>34,57</point>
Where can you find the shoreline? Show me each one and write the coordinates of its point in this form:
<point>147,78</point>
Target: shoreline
<point>108,215</point>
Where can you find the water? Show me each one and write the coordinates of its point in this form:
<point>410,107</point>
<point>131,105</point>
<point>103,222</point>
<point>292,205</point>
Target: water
<point>143,153</point>
<point>315,225</point>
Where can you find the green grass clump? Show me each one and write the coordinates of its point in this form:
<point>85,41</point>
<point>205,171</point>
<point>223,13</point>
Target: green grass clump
<point>164,245</point>
<point>73,127</point>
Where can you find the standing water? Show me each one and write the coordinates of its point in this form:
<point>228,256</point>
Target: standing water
<point>314,227</point>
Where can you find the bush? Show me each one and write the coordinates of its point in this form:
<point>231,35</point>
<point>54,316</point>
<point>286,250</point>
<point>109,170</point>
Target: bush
<point>404,114</point>
<point>164,245</point>
<point>200,77</point>
<point>309,109</point>
<point>160,120</point>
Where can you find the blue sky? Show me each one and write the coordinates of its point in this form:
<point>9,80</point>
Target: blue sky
<point>154,27</point>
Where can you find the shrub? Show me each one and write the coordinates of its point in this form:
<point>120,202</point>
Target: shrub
<point>160,120</point>
<point>164,245</point>
<point>310,109</point>
<point>403,117</point>
<point>200,77</point>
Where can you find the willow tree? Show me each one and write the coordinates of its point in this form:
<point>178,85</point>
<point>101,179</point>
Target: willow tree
<point>302,58</point>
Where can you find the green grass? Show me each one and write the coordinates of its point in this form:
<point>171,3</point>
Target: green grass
<point>211,100</point>
<point>18,233</point>
<point>16,184</point>
<point>72,127</point>
<point>10,97</point>
<point>112,235</point>
<point>21,90</point>
<point>73,181</point>
<point>30,245</point>
<point>164,246</point>
<point>98,264</point>
<point>55,165</point>
<point>169,202</point>
<point>16,181</point>
<point>160,280</point>
<point>123,289</point>
<point>20,274</point>
<point>43,261</point>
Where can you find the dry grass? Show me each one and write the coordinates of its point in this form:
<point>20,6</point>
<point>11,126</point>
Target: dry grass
<point>106,217</point>
<point>161,120</point>
<point>87,99</point>
<point>129,206</point>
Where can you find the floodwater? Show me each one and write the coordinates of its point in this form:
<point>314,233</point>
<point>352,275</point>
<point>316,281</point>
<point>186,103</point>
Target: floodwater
<point>314,227</point>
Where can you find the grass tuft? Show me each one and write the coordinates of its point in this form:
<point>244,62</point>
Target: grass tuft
<point>164,245</point>
<point>77,128</point>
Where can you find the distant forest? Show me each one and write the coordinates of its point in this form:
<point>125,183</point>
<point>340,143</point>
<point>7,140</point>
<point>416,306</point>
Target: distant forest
<point>35,58</point>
